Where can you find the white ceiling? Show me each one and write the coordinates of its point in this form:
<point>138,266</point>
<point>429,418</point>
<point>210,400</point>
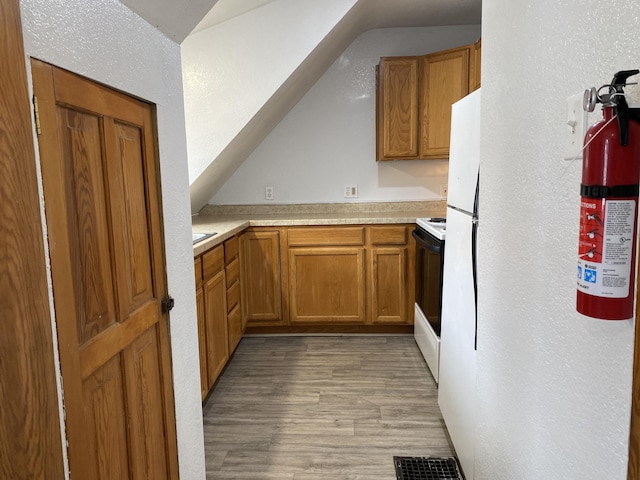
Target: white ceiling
<point>178,18</point>
<point>224,10</point>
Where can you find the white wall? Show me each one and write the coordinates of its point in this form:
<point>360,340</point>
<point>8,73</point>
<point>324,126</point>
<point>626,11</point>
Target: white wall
<point>232,69</point>
<point>328,139</point>
<point>554,386</point>
<point>106,42</point>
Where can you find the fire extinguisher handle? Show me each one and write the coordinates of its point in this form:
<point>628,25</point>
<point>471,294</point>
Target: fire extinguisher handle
<point>622,108</point>
<point>620,79</point>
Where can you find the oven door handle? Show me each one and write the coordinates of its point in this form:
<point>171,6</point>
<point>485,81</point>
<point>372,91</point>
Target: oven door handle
<point>427,241</point>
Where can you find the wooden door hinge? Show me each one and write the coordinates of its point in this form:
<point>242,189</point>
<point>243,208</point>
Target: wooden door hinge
<point>36,114</point>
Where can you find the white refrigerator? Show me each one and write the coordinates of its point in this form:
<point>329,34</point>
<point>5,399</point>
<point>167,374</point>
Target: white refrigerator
<point>457,388</point>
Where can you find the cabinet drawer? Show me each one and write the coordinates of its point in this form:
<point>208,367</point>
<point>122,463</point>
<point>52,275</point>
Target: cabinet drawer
<point>233,272</point>
<point>388,235</point>
<point>197,267</point>
<point>299,237</point>
<point>213,261</point>
<point>233,296</point>
<point>230,250</point>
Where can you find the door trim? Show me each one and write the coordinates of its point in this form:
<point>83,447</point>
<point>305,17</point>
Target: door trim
<point>30,436</point>
<point>633,470</point>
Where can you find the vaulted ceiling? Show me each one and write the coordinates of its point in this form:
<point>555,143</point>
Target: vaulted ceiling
<point>178,18</point>
<point>215,155</point>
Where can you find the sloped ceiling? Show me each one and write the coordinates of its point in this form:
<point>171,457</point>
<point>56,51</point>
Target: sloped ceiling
<point>180,18</point>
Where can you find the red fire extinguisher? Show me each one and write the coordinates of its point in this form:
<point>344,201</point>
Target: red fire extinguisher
<point>609,205</point>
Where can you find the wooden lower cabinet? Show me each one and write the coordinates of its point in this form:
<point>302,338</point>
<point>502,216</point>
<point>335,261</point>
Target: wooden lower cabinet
<point>260,278</point>
<point>352,275</point>
<point>234,312</point>
<point>326,285</point>
<point>289,279</point>
<point>220,325</point>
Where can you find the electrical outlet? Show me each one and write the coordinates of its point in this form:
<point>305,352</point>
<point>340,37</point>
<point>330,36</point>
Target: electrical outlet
<point>268,193</point>
<point>444,189</point>
<point>351,191</point>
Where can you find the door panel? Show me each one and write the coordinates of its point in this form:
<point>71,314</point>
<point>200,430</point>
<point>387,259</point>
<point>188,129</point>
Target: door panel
<point>139,281</point>
<point>80,138</point>
<point>144,397</point>
<point>104,406</point>
<point>107,264</point>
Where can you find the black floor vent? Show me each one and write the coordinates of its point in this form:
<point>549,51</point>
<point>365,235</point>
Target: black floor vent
<point>427,468</point>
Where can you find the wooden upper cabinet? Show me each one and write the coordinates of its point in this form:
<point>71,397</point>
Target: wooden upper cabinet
<point>398,108</point>
<point>414,98</point>
<point>444,81</point>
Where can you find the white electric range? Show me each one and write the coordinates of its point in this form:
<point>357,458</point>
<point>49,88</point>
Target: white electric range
<point>430,234</point>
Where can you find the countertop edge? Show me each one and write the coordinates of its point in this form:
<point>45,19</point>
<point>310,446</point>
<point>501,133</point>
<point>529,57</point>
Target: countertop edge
<point>226,227</point>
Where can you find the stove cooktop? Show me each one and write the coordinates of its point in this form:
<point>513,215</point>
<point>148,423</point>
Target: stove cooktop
<point>434,226</point>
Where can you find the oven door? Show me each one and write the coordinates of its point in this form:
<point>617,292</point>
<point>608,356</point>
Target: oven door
<point>426,327</point>
<point>429,266</point>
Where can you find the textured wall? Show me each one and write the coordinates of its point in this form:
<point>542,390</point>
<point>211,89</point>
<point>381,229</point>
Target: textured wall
<point>554,386</point>
<point>108,43</point>
<point>328,139</point>
<point>232,69</point>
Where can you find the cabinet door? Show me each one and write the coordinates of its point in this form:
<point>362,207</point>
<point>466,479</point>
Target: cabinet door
<point>388,285</point>
<point>326,285</point>
<point>202,342</point>
<point>260,278</point>
<point>215,295</point>
<point>397,108</point>
<point>474,66</point>
<point>445,80</point>
<point>235,328</point>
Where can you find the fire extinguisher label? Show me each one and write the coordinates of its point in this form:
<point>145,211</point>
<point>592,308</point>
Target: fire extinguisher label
<point>605,248</point>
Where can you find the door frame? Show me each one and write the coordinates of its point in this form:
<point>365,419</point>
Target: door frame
<point>45,76</point>
<point>633,469</point>
<point>30,435</point>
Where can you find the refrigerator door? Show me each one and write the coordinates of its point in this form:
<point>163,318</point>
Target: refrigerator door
<point>457,387</point>
<point>464,152</point>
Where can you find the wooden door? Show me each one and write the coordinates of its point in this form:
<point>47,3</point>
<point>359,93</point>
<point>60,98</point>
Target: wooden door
<point>100,179</point>
<point>445,80</point>
<point>397,108</point>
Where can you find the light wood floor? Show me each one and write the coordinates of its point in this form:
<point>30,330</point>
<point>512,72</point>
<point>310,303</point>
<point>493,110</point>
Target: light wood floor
<point>322,408</point>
